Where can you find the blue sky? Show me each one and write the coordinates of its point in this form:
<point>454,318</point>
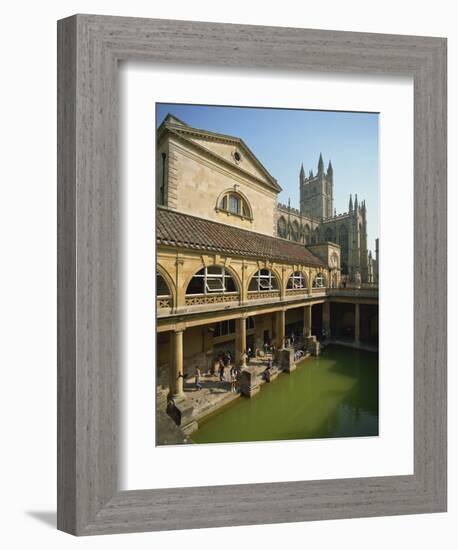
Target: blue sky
<point>284,138</point>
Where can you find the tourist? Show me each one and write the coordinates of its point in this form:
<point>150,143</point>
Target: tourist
<point>267,372</point>
<point>198,384</point>
<point>222,377</point>
<point>233,375</point>
<point>266,347</point>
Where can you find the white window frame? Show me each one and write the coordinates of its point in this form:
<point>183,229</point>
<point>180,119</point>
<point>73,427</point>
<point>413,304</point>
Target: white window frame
<point>234,200</point>
<point>266,279</point>
<point>297,281</point>
<point>222,277</point>
<point>319,281</point>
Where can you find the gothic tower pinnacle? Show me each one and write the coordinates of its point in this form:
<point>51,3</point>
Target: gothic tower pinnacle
<point>320,165</point>
<point>302,174</point>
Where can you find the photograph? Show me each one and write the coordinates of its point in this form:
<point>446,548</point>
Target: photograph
<point>267,274</point>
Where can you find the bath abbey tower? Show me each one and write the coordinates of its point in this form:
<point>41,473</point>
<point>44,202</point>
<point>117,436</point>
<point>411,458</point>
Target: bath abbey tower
<point>317,221</point>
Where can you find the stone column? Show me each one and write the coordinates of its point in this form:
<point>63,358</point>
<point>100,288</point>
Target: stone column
<point>307,321</point>
<point>327,319</point>
<point>240,341</point>
<point>280,327</point>
<point>176,364</point>
<point>357,323</point>
<point>309,282</point>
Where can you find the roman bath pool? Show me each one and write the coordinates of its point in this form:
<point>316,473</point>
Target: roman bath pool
<point>333,395</point>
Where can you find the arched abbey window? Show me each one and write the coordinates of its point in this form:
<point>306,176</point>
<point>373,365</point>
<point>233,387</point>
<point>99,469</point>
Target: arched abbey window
<point>329,235</point>
<point>315,236</point>
<point>295,230</point>
<point>296,281</point>
<point>281,227</point>
<point>162,289</point>
<point>234,203</point>
<point>211,279</point>
<point>343,238</point>
<point>319,281</point>
<point>307,233</point>
<point>263,279</point>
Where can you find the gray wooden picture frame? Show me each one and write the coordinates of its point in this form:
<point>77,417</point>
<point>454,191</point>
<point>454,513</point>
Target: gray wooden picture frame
<point>89,49</point>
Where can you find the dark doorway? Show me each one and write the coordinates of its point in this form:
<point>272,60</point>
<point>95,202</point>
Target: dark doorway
<point>342,321</point>
<point>369,324</point>
<point>317,320</point>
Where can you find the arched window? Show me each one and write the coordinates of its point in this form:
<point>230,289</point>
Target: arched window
<point>263,279</point>
<point>329,235</point>
<point>296,281</point>
<point>343,242</point>
<point>343,238</point>
<point>319,281</point>
<point>281,227</point>
<point>235,204</point>
<point>295,230</point>
<point>307,233</point>
<point>162,289</point>
<point>211,279</point>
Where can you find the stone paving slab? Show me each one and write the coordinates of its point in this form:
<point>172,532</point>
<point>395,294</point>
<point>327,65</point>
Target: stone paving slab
<point>214,393</point>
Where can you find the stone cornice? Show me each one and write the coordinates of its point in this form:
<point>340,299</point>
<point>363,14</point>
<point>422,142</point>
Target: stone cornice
<point>184,132</point>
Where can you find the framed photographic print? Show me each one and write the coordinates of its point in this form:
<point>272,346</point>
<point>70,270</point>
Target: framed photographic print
<point>252,275</point>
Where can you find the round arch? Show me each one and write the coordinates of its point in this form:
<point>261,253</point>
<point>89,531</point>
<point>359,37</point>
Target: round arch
<point>293,280</point>
<point>160,270</point>
<point>225,207</point>
<point>227,269</point>
<point>320,280</point>
<point>264,279</point>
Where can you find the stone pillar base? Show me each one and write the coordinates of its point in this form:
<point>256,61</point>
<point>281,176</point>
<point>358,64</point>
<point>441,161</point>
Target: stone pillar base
<point>312,345</point>
<point>248,384</point>
<point>183,414</point>
<point>286,359</point>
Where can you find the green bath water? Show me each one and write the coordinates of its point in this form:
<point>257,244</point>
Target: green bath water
<point>334,395</point>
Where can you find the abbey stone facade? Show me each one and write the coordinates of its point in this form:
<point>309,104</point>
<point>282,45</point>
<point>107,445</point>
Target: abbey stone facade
<point>316,221</point>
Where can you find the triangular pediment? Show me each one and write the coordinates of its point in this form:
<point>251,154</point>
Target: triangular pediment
<point>231,150</point>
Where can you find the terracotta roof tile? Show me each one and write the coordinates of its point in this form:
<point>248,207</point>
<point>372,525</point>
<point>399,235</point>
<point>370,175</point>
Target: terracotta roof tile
<point>177,229</point>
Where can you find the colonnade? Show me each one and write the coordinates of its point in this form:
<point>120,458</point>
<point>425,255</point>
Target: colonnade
<point>176,373</point>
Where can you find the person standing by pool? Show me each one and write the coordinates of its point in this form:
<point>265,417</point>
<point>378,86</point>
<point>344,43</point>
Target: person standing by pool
<point>222,378</point>
<point>233,377</point>
<point>198,384</point>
